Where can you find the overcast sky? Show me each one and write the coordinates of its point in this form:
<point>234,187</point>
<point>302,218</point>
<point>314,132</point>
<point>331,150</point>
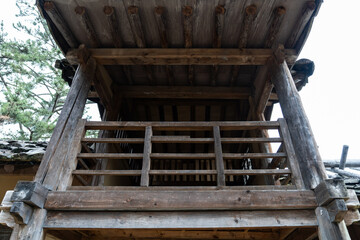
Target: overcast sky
<point>331,98</point>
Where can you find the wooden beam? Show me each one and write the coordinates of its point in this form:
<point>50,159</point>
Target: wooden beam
<point>113,24</point>
<point>277,20</point>
<point>184,92</point>
<point>60,23</point>
<point>159,13</point>
<point>299,27</point>
<point>181,56</point>
<point>181,126</point>
<point>249,16</point>
<point>180,220</point>
<point>187,18</point>
<point>136,28</point>
<point>250,13</point>
<point>180,234</point>
<point>87,25</point>
<point>141,200</point>
<point>218,32</point>
<point>160,21</point>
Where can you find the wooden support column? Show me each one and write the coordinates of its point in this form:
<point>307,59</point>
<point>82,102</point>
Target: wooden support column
<point>52,165</point>
<point>311,166</point>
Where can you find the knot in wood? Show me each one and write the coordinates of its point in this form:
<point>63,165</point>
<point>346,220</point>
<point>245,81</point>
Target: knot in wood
<point>187,11</point>
<point>251,10</point>
<point>220,9</point>
<point>159,10</point>
<point>133,10</point>
<point>108,10</point>
<point>79,10</point>
<point>280,10</point>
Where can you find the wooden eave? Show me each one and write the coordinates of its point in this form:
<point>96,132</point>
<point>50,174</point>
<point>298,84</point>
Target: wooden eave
<point>151,45</point>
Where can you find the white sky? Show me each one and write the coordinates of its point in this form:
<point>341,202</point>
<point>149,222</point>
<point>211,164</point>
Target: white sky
<point>332,94</point>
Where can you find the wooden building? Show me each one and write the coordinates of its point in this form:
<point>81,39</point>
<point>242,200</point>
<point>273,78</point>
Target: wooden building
<point>185,90</point>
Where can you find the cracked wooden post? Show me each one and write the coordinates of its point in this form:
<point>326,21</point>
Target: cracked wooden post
<point>311,166</point>
<point>52,165</point>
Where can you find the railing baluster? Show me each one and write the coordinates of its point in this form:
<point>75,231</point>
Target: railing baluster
<point>219,157</point>
<point>289,149</point>
<point>146,157</point>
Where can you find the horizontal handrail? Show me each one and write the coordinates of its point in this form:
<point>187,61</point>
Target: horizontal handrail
<point>181,126</point>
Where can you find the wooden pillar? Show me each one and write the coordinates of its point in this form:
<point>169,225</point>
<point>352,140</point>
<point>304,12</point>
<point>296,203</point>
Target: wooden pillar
<point>311,166</point>
<point>52,166</point>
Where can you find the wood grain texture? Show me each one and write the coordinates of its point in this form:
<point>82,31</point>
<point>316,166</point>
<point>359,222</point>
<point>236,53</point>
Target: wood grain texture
<point>140,200</point>
<point>311,166</point>
<point>182,56</point>
<point>180,220</point>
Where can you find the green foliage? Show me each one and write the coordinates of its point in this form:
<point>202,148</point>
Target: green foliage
<point>33,91</point>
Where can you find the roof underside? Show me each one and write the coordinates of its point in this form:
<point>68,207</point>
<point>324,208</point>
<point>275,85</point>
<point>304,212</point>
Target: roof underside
<point>187,24</point>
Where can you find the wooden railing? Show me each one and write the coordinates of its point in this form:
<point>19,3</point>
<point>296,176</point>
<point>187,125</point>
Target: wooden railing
<point>281,165</point>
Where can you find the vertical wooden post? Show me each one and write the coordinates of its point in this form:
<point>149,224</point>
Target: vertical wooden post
<point>71,161</point>
<point>311,166</point>
<point>146,158</point>
<point>219,157</point>
<point>292,159</point>
<point>52,165</point>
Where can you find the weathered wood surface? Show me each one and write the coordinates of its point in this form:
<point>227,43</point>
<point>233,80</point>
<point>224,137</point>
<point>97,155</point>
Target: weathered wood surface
<point>181,200</point>
<point>180,220</point>
<point>32,193</point>
<point>311,166</point>
<point>179,234</point>
<point>293,163</point>
<point>181,126</point>
<point>182,188</point>
<point>329,190</point>
<point>219,157</point>
<point>33,230</point>
<point>304,18</point>
<point>185,92</point>
<point>87,25</point>
<point>144,181</point>
<point>60,23</point>
<point>71,113</point>
<point>71,161</point>
<point>181,56</point>
<point>21,212</point>
<point>327,230</point>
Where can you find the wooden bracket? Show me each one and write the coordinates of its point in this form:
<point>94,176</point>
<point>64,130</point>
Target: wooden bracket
<point>21,212</point>
<point>337,210</point>
<point>32,193</point>
<point>78,55</point>
<point>329,190</point>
